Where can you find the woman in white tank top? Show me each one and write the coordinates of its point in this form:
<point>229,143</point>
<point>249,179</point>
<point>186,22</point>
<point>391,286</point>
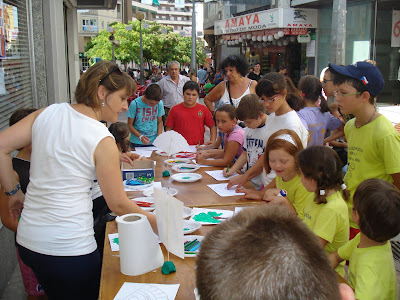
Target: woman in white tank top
<point>236,86</point>
<point>70,148</point>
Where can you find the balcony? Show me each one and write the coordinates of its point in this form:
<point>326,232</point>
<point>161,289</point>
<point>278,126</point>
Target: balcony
<point>89,29</point>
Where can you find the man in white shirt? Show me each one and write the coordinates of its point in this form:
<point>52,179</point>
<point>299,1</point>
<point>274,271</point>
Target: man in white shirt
<point>172,87</point>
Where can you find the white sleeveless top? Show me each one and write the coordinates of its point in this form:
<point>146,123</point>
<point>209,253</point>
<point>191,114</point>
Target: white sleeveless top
<point>225,97</point>
<point>57,217</point>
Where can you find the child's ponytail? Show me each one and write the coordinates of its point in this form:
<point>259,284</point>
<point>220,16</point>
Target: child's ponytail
<point>293,98</point>
<point>324,166</point>
<point>311,89</point>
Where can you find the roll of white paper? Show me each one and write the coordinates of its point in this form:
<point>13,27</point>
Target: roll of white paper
<point>138,245</point>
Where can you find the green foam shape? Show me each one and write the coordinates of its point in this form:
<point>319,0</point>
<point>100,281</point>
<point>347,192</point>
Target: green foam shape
<point>168,267</point>
<point>166,173</point>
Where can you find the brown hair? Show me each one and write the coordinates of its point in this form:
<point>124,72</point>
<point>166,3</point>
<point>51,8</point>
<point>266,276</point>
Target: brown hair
<point>229,109</point>
<point>153,92</point>
<point>19,114</point>
<point>377,203</point>
<point>274,83</point>
<point>324,166</point>
<point>112,78</point>
<point>120,131</point>
<point>274,143</point>
<point>265,252</point>
<point>250,107</point>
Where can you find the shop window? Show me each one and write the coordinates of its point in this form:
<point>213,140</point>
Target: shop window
<point>15,62</point>
<point>84,64</point>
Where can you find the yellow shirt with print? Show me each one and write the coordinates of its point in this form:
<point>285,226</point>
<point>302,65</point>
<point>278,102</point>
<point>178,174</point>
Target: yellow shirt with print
<point>371,271</point>
<point>296,193</point>
<point>329,221</point>
<point>372,153</point>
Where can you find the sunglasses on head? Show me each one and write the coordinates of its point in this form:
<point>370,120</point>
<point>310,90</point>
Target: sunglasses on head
<point>115,68</point>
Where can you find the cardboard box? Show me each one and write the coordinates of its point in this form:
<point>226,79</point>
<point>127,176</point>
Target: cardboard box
<point>141,168</point>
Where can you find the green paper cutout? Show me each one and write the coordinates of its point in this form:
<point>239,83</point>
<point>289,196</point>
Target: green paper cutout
<point>207,217</point>
<point>116,241</point>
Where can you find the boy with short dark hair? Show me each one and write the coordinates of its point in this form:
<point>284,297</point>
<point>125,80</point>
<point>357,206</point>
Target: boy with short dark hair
<point>373,143</point>
<point>252,112</point>
<point>145,117</point>
<point>265,252</point>
<point>376,209</point>
<point>188,118</point>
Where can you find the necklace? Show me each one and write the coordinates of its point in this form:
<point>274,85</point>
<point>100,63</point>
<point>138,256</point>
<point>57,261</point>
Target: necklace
<point>369,121</point>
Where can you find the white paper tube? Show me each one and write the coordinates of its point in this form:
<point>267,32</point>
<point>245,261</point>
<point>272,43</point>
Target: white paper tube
<point>138,246</point>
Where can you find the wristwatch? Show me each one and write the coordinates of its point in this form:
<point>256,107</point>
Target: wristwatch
<point>14,191</point>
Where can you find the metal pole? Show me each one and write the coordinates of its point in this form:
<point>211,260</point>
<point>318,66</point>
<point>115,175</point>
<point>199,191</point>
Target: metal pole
<point>338,35</point>
<point>113,56</point>
<point>193,63</point>
<point>141,56</point>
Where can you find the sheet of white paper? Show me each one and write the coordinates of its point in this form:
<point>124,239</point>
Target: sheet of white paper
<point>205,166</point>
<point>170,222</point>
<point>207,216</point>
<point>220,189</point>
<point>133,188</point>
<point>148,291</point>
<point>113,237</point>
<point>145,151</point>
<point>218,175</point>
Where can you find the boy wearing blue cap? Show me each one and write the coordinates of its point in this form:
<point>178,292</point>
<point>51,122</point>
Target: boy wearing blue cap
<point>373,143</point>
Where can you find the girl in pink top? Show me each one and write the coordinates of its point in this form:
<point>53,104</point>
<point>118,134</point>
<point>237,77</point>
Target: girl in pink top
<point>231,137</point>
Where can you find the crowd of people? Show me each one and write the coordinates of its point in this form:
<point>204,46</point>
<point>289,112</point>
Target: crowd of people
<point>274,134</point>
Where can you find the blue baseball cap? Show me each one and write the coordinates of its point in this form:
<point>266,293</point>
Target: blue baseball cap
<point>367,73</point>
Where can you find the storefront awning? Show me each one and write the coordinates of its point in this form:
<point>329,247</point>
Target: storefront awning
<point>268,19</point>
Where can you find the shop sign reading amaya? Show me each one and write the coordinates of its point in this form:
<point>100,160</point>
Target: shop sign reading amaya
<point>267,19</point>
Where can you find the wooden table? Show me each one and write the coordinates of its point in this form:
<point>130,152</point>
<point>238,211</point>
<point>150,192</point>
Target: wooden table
<point>191,194</point>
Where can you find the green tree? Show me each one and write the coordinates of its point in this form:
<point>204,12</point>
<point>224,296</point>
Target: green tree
<point>158,47</point>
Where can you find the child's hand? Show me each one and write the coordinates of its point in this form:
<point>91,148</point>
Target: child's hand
<point>204,153</point>
<point>227,174</point>
<point>16,204</point>
<point>271,193</point>
<point>125,158</point>
<point>208,143</point>
<point>275,200</point>
<point>249,194</point>
<point>145,140</point>
<point>237,180</point>
<point>200,158</point>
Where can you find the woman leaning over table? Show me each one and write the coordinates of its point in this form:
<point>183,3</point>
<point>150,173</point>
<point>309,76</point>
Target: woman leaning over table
<point>70,148</point>
<point>236,86</point>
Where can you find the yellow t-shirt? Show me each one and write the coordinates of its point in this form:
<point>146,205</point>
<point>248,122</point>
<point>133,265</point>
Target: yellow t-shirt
<point>372,153</point>
<point>330,221</point>
<point>371,271</point>
<point>296,193</point>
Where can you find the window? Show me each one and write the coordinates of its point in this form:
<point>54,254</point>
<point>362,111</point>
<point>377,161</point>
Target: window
<point>85,64</point>
<point>89,25</point>
<point>171,18</point>
<point>179,18</point>
<point>15,62</point>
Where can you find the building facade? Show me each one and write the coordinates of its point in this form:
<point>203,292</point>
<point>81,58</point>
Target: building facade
<point>341,32</point>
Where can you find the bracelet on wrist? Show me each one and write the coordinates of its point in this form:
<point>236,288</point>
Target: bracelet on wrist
<point>140,137</point>
<point>14,191</point>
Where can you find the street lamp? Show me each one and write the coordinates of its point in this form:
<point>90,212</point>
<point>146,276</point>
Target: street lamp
<point>140,16</point>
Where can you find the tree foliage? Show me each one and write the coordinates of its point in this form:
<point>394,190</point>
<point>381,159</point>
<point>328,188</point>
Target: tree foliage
<point>158,47</point>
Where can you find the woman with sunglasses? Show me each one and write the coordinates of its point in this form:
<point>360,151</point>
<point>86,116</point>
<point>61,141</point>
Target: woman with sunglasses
<point>281,99</point>
<point>237,85</point>
<point>70,148</point>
